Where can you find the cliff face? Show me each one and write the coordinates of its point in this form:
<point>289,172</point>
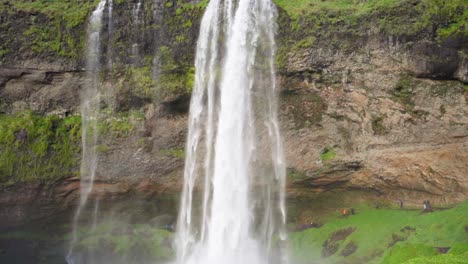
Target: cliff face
<point>373,97</point>
<point>377,99</point>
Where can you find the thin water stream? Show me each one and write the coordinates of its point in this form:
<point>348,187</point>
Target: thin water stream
<point>89,115</point>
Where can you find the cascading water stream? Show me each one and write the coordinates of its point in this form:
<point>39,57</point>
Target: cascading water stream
<point>234,151</point>
<point>110,26</point>
<point>136,23</point>
<point>89,115</point>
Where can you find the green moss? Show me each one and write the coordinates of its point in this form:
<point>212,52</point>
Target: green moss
<point>328,154</point>
<point>403,93</point>
<point>36,148</point>
<point>135,85</point>
<point>176,153</point>
<point>337,24</point>
<point>56,26</point>
<point>119,124</point>
<point>174,78</point>
<point>377,231</point>
<point>305,43</point>
<point>141,82</point>
<point>441,89</point>
<point>199,4</point>
<point>449,17</point>
<point>102,148</point>
<point>3,52</point>
<point>377,125</point>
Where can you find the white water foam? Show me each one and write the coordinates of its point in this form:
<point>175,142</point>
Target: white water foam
<point>234,151</point>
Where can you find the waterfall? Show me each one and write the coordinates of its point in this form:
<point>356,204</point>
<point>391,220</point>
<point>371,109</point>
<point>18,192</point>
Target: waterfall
<point>89,114</point>
<point>158,12</point>
<point>234,151</point>
<point>110,26</point>
<point>136,24</point>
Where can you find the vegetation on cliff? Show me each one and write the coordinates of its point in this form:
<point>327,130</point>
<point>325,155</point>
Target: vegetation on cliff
<point>53,27</point>
<point>340,23</point>
<point>37,148</point>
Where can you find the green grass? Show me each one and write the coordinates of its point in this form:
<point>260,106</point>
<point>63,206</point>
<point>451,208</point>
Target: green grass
<point>404,252</point>
<point>377,230</point>
<point>440,259</point>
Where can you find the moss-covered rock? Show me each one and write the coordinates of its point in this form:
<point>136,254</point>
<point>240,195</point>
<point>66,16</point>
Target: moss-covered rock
<point>346,26</point>
<point>37,148</point>
<point>44,28</point>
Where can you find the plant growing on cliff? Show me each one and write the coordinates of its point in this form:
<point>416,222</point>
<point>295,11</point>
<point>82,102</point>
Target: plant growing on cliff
<point>328,154</point>
<point>36,148</point>
<point>329,21</point>
<point>174,79</point>
<point>377,125</point>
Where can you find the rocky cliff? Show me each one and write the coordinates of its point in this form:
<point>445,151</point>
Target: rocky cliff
<point>373,98</point>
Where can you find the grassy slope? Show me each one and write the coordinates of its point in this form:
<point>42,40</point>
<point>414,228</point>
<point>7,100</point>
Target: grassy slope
<point>376,230</point>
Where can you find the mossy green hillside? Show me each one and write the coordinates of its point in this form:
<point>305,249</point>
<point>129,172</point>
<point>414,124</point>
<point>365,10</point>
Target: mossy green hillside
<point>446,17</point>
<point>340,24</point>
<point>46,27</point>
<point>388,235</point>
<point>440,259</point>
<point>38,148</point>
<point>419,253</point>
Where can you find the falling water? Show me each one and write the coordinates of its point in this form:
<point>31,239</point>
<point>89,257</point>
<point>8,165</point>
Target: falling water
<point>136,23</point>
<point>234,151</point>
<point>158,15</point>
<point>110,26</point>
<point>89,115</point>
